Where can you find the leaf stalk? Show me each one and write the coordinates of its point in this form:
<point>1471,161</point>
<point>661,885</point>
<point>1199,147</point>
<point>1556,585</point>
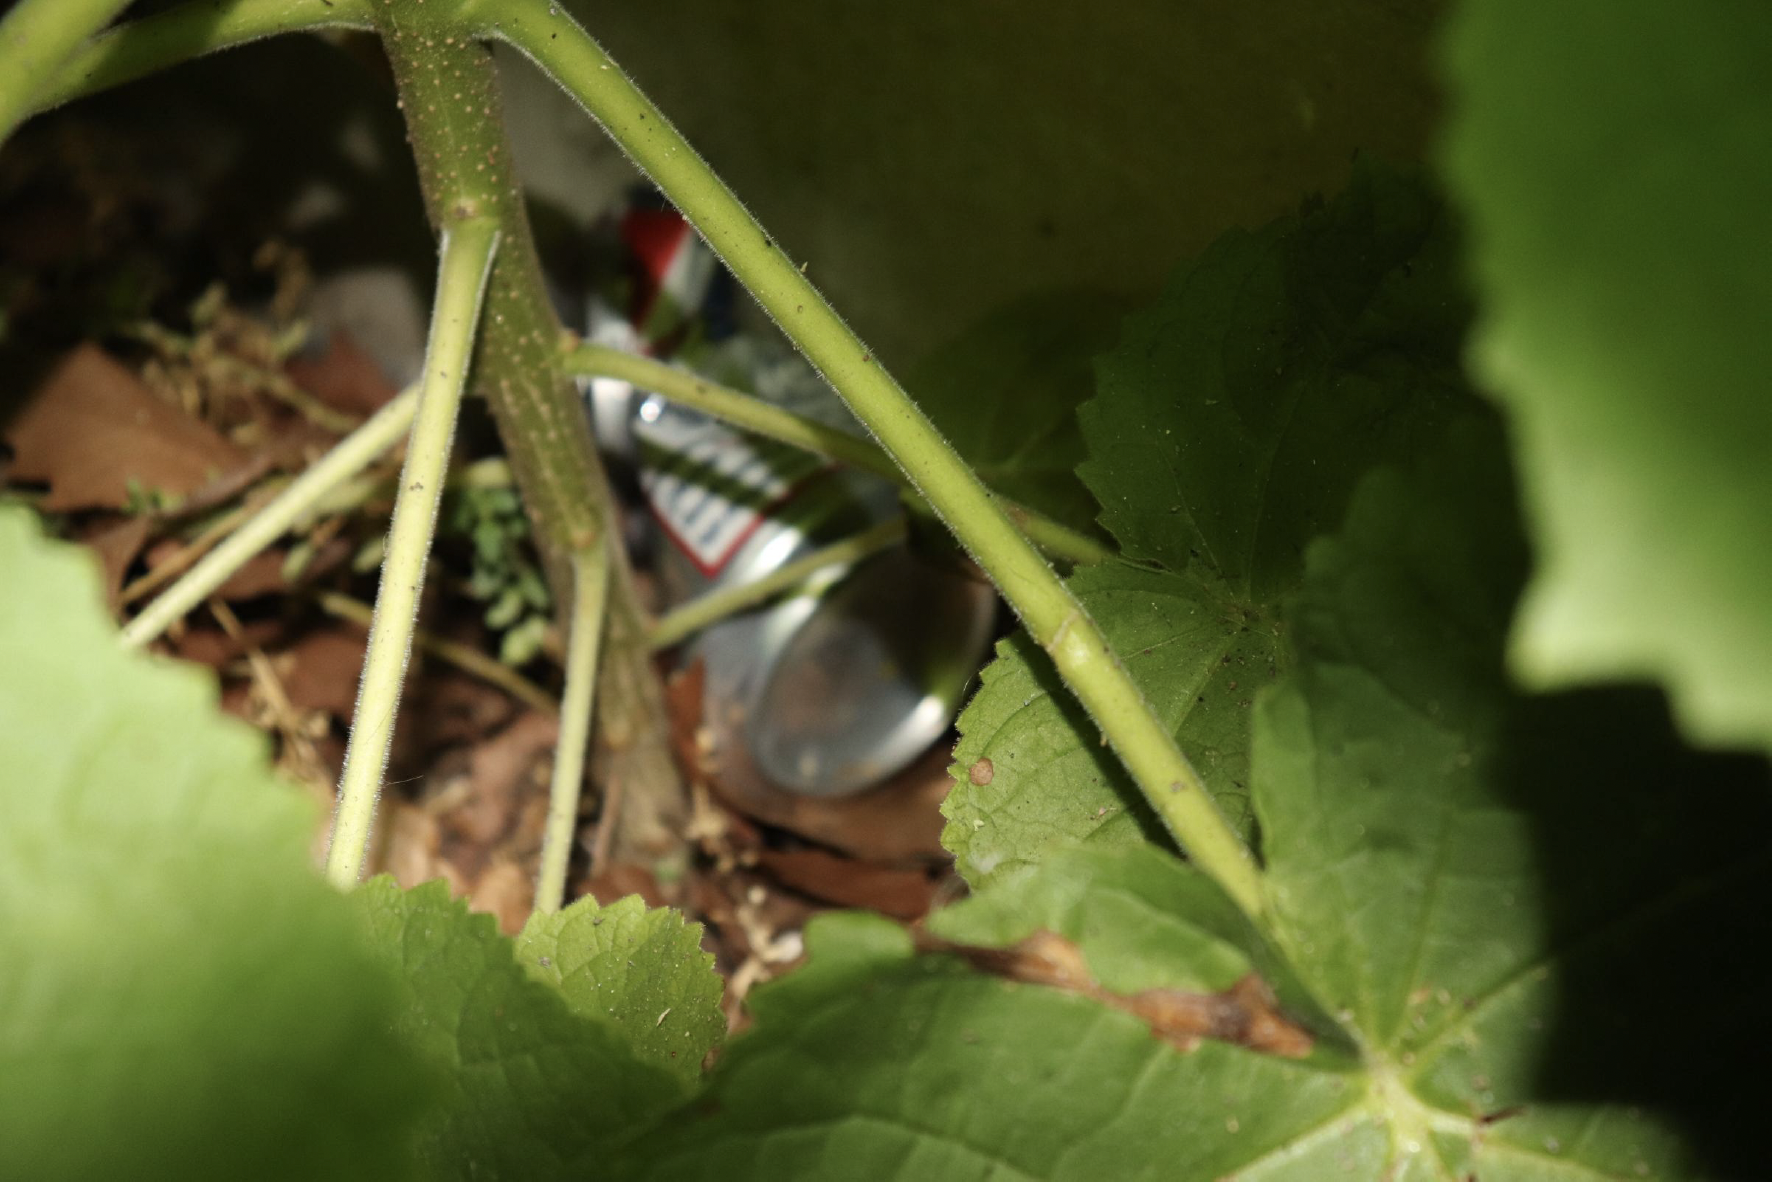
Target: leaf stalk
<point>466,260</point>
<point>1047,608</point>
<point>36,38</point>
<point>754,415</point>
<point>591,571</point>
<point>719,604</point>
<point>344,461</point>
<point>138,48</point>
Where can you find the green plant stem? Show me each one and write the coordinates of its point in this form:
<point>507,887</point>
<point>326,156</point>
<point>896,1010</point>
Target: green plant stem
<point>466,258</point>
<point>735,407</point>
<point>465,658</point>
<point>138,48</point>
<point>1047,608</point>
<point>712,607</point>
<point>754,415</point>
<point>345,460</point>
<point>1055,538</point>
<point>591,573</point>
<point>36,38</point>
<point>449,96</point>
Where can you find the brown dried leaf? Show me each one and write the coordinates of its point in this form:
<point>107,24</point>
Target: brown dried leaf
<point>506,891</point>
<point>859,885</point>
<point>216,648</point>
<point>414,839</point>
<point>901,820</point>
<point>321,670</point>
<point>116,542</point>
<point>345,377</point>
<point>93,429</point>
<point>261,575</point>
<point>499,771</point>
<point>621,880</point>
<point>443,708</point>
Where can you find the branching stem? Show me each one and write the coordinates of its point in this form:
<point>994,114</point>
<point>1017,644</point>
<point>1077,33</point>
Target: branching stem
<point>344,461</point>
<point>450,99</point>
<point>542,31</point>
<point>466,260</point>
<point>712,607</point>
<point>754,415</point>
<point>1052,615</point>
<point>591,582</point>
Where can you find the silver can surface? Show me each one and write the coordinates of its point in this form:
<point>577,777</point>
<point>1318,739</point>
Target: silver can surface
<point>841,683</point>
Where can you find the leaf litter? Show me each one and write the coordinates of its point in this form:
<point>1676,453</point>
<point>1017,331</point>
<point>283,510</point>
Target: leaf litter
<point>886,1023</point>
<point>155,443</point>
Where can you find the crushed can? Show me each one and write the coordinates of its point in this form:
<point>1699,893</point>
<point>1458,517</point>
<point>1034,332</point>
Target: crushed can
<point>837,685</point>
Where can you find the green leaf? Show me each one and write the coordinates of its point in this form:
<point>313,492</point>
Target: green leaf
<point>1612,160</point>
<point>1052,780</point>
<point>1507,902</point>
<point>1006,391</point>
<point>643,971</point>
<point>536,1087</point>
<point>183,996</point>
<point>505,608</point>
<point>1503,898</point>
<point>873,1063</point>
<point>1230,424</point>
<point>1499,897</point>
<point>1142,919</point>
<point>1236,415</point>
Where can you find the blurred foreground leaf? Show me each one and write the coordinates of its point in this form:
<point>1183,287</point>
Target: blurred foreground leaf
<point>181,995</point>
<point>1612,159</point>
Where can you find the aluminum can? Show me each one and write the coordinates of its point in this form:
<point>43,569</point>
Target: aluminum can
<point>831,688</point>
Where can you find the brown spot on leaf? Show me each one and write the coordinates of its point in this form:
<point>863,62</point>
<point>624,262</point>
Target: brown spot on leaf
<point>1246,1014</point>
<point>980,773</point>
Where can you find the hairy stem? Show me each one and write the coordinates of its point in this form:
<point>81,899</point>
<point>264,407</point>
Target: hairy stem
<point>735,407</point>
<point>449,95</point>
<point>713,606</point>
<point>591,580</point>
<point>345,460</point>
<point>754,415</point>
<point>1047,608</point>
<point>36,38</point>
<point>469,244</point>
<point>190,30</point>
